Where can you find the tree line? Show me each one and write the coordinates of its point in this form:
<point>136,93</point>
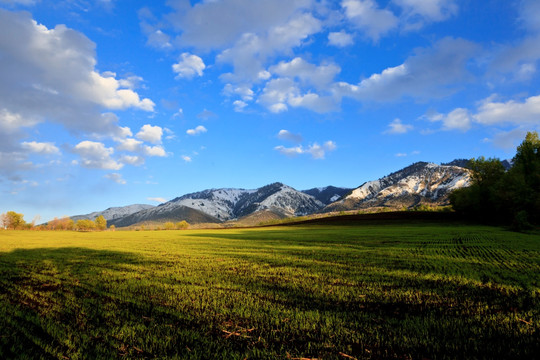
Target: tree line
<point>15,221</point>
<point>502,196</point>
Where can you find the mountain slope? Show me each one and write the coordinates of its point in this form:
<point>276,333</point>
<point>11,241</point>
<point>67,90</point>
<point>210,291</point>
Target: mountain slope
<point>161,213</point>
<point>327,194</point>
<point>218,205</point>
<point>418,183</point>
<point>114,212</point>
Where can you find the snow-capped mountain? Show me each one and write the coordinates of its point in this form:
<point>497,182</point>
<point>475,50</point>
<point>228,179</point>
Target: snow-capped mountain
<point>327,194</point>
<point>114,212</point>
<point>419,183</point>
<point>218,205</point>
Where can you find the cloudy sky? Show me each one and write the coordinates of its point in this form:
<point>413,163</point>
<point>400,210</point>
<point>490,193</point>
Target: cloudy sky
<point>114,102</point>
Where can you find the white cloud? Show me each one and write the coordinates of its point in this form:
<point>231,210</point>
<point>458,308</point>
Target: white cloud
<point>511,112</point>
<point>150,133</point>
<point>509,139</point>
<point>95,155</point>
<point>134,160</point>
<point>157,199</point>
<point>251,52</point>
<point>41,68</point>
<point>318,76</point>
<point>239,105</point>
<point>292,151</point>
<point>428,10</point>
<point>186,158</point>
<point>116,177</point>
<point>189,66</point>
<point>198,130</point>
<point>340,39</point>
<point>219,24</point>
<point>315,150</point>
<point>151,28</point>
<point>289,136</point>
<point>40,148</point>
<point>243,90</point>
<point>156,151</point>
<point>397,127</point>
<point>431,72</point>
<point>366,15</point>
<point>129,145</point>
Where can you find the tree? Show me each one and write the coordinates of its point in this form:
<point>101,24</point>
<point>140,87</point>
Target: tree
<point>168,225</point>
<point>100,222</point>
<point>182,225</point>
<point>13,220</point>
<point>85,225</point>
<point>504,197</point>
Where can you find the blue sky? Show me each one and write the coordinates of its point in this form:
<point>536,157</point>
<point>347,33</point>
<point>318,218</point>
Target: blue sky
<point>114,102</point>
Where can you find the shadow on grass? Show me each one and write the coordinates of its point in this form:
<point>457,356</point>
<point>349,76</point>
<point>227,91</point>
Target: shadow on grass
<point>84,303</point>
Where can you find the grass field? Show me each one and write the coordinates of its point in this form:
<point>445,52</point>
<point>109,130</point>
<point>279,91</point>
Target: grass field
<point>392,290</point>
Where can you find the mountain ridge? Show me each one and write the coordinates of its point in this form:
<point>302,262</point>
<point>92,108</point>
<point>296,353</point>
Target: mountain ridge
<point>418,183</point>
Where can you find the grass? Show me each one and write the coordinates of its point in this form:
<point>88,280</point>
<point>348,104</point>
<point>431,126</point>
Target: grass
<point>409,291</point>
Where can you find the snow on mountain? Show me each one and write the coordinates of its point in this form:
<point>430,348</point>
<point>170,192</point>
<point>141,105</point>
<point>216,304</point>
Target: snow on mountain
<point>327,194</point>
<point>218,205</point>
<point>114,212</point>
<point>420,182</point>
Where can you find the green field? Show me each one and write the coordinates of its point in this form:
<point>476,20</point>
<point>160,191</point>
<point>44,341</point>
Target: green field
<point>390,290</point>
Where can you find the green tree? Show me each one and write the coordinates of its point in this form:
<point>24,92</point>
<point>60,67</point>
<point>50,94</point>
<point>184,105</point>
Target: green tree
<point>100,222</point>
<point>504,197</point>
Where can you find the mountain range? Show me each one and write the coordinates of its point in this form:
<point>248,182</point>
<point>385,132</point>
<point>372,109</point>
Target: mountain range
<point>419,183</point>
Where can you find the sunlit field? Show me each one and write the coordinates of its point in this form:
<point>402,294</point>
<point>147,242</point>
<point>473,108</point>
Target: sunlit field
<point>422,290</point>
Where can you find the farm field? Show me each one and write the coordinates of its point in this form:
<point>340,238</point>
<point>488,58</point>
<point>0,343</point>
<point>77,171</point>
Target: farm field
<point>389,290</point>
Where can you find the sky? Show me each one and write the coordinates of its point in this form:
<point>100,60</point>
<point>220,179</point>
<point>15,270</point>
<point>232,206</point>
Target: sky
<point>115,102</point>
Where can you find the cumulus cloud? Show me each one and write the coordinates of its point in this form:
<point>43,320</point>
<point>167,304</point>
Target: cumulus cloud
<point>218,24</point>
<point>419,11</point>
<point>239,105</point>
<point>95,155</point>
<point>49,75</point>
<point>315,150</point>
<point>398,127</point>
<point>431,72</point>
<point>189,66</point>
<point>40,148</point>
<point>151,27</point>
<point>279,94</point>
<point>491,112</point>
<point>134,160</point>
<point>251,52</point>
<point>197,131</point>
<point>340,39</point>
<point>131,145</point>
<point>318,76</point>
<point>154,151</point>
<point>368,17</point>
<point>289,136</point>
<point>116,177</point>
<point>186,158</point>
<point>150,133</point>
